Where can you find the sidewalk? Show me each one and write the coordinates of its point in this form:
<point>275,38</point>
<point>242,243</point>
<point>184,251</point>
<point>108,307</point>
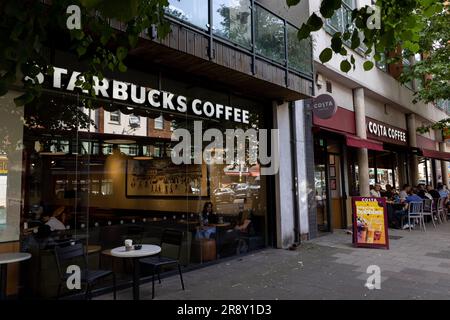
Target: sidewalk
<point>417,266</point>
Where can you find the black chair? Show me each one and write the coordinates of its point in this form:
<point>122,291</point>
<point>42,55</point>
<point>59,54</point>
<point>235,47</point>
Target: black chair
<point>76,250</point>
<point>172,238</point>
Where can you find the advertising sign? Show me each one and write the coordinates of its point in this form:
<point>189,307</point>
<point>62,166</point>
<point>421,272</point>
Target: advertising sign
<point>322,106</point>
<point>370,222</point>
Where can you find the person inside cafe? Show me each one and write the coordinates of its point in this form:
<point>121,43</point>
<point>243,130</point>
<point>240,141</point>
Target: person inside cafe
<point>52,221</point>
<point>207,217</point>
<point>376,191</point>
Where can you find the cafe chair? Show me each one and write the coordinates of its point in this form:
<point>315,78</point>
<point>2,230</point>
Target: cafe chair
<point>415,212</point>
<point>169,238</point>
<point>441,209</point>
<point>428,210</point>
<point>76,251</point>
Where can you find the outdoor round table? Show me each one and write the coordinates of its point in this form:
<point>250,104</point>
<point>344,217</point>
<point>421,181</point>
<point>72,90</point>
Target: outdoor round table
<point>145,251</point>
<point>5,259</point>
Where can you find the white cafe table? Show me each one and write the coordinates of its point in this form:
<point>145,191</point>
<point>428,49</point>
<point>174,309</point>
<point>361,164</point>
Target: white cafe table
<point>5,259</point>
<point>146,251</point>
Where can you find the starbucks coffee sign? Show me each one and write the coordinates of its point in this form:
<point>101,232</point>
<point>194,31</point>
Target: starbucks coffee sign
<point>322,106</point>
<point>155,99</point>
<point>381,131</point>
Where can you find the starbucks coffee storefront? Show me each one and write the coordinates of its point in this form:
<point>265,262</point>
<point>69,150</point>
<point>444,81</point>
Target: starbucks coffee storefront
<point>106,173</point>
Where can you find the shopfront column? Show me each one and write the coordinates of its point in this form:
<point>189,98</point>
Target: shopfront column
<point>363,157</point>
<point>283,180</point>
<point>444,164</point>
<point>413,160</point>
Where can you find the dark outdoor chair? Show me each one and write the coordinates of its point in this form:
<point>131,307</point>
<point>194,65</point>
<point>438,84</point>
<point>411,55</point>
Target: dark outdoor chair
<point>76,250</point>
<point>169,237</point>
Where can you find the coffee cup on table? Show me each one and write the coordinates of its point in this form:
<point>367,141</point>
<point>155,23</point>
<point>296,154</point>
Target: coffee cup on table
<point>128,244</point>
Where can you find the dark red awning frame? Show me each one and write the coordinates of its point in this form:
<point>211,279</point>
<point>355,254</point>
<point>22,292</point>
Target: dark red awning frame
<point>434,154</point>
<point>356,142</point>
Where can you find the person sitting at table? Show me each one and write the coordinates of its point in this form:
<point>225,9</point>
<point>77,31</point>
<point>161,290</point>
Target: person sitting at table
<point>206,217</point>
<point>443,192</point>
<point>432,192</point>
<point>244,223</point>
<point>375,192</point>
<point>423,192</point>
<point>388,193</point>
<point>412,197</point>
<point>404,192</point>
<point>51,221</point>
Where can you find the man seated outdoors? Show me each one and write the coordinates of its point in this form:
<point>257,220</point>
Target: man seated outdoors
<point>412,197</point>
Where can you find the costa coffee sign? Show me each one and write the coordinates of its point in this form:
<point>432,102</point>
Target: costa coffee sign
<point>381,131</point>
<point>322,106</point>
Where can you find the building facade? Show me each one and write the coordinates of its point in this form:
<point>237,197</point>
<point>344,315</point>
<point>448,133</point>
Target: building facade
<point>105,171</point>
<point>371,138</point>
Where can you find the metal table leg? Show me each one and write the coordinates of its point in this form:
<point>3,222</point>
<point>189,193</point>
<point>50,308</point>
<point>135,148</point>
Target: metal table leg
<point>136,279</point>
<point>3,268</point>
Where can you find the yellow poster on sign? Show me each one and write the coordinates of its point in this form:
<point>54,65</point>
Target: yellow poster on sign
<point>369,222</point>
<point>3,166</point>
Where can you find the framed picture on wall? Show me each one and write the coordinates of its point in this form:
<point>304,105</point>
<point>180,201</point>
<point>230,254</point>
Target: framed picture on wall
<point>332,171</point>
<point>162,178</point>
<point>331,159</point>
<point>333,184</point>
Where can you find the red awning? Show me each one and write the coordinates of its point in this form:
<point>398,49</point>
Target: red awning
<point>434,154</point>
<point>356,142</point>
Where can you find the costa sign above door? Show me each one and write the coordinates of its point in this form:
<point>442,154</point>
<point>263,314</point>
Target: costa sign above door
<point>381,131</point>
<point>322,106</point>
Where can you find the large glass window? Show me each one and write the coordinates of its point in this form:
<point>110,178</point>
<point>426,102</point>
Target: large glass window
<point>192,11</point>
<point>269,35</point>
<point>299,52</point>
<point>107,185</point>
<point>232,20</point>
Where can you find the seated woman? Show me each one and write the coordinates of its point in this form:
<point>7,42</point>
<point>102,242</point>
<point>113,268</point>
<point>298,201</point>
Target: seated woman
<point>207,216</point>
<point>244,223</point>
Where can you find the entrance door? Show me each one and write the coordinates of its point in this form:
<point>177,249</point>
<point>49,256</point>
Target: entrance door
<point>328,184</point>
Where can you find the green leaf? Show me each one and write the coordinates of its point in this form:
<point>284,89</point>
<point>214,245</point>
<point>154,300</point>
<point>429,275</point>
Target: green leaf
<point>345,66</point>
<point>367,65</point>
<point>81,51</point>
<point>314,22</point>
<point>336,42</point>
<point>291,3</point>
<point>303,32</point>
<point>121,53</point>
<point>355,41</point>
<point>326,55</point>
<point>122,67</point>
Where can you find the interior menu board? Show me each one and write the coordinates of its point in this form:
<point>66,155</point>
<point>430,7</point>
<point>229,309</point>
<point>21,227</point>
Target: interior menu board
<point>370,222</point>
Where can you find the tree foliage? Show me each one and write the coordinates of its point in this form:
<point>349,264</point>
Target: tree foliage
<point>29,28</point>
<point>417,27</point>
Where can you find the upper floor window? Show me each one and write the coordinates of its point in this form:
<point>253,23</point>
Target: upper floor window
<point>269,38</point>
<point>114,117</point>
<point>194,12</point>
<point>299,52</point>
<point>232,20</point>
<point>159,123</point>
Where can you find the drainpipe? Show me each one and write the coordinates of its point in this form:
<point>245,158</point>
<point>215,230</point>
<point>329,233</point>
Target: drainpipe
<point>294,163</point>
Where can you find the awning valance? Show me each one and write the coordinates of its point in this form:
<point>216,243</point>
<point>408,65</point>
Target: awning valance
<point>434,154</point>
<point>356,142</point>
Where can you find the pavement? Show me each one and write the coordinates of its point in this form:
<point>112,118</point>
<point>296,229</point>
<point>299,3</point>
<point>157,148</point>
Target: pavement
<point>417,266</point>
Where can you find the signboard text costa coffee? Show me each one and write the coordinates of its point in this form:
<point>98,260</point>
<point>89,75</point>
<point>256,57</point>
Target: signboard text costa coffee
<point>381,131</point>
